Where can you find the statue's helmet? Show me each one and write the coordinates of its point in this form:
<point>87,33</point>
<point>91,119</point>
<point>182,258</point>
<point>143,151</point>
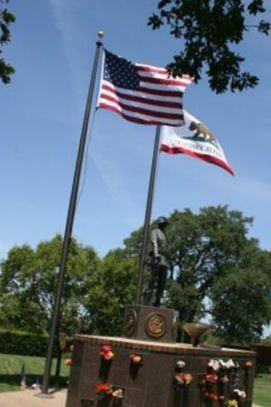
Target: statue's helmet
<point>162,220</point>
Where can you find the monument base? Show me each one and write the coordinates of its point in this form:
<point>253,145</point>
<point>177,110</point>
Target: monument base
<point>97,382</point>
<point>147,322</point>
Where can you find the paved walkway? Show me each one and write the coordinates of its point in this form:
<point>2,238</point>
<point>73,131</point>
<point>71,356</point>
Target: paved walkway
<point>27,398</point>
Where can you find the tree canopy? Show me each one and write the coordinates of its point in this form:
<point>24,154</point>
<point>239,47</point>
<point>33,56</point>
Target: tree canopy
<point>114,286</point>
<point>95,290</point>
<point>6,19</point>
<point>28,282</point>
<point>210,31</point>
<point>216,271</point>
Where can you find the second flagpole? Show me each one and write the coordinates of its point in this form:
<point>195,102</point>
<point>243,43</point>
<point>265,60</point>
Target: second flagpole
<point>148,212</point>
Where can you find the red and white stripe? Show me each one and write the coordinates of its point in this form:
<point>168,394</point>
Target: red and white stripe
<point>174,141</point>
<point>158,101</point>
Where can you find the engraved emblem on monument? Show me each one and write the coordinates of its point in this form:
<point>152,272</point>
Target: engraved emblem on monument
<point>155,325</point>
<point>130,321</point>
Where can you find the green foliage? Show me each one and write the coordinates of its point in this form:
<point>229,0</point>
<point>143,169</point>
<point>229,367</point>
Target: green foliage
<point>209,31</point>
<point>23,343</point>
<point>28,282</point>
<point>95,291</point>
<point>266,341</point>
<point>216,271</point>
<point>114,286</point>
<point>241,298</point>
<point>6,19</point>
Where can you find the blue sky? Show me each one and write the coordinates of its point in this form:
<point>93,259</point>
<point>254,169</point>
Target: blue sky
<point>41,115</point>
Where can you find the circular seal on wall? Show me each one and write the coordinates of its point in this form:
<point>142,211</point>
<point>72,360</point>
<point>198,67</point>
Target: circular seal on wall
<point>155,325</point>
<point>130,321</point>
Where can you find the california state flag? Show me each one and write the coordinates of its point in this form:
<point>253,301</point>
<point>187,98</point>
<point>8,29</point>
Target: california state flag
<point>194,139</point>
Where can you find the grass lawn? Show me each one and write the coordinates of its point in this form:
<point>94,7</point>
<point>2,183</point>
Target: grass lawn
<point>262,390</point>
<point>11,366</point>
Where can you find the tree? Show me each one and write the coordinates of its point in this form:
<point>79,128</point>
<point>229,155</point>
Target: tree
<point>241,300</point>
<point>6,19</point>
<point>210,30</point>
<point>213,264</point>
<point>113,287</point>
<point>28,282</point>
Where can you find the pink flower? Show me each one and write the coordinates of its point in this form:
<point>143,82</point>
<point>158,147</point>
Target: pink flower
<point>106,353</point>
<point>211,378</point>
<point>136,359</point>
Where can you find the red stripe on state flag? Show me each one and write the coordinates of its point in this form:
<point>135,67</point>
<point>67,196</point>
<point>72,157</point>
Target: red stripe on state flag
<point>200,156</point>
<point>195,140</point>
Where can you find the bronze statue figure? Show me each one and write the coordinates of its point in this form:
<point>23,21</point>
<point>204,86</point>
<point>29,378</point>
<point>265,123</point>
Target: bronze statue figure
<point>157,263</point>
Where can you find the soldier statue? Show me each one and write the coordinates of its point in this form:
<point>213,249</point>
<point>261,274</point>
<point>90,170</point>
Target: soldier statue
<point>157,263</point>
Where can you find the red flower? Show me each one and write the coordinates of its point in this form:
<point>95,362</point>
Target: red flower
<point>211,396</point>
<point>103,388</point>
<point>106,353</point>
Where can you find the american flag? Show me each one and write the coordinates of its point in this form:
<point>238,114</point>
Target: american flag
<point>141,93</point>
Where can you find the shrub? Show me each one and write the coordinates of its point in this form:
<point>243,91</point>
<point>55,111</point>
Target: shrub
<point>23,343</point>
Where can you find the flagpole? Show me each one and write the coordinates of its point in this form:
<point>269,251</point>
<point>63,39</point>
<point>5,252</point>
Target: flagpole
<point>148,212</point>
<point>70,218</point>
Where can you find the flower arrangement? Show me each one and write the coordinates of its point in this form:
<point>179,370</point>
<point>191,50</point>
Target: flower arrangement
<point>230,364</point>
<point>237,397</point>
<point>68,362</point>
<point>136,359</point>
<point>219,374</point>
<point>211,396</point>
<point>103,389</point>
<point>107,353</point>
<point>118,394</point>
<point>180,364</point>
<point>241,394</point>
<point>183,379</point>
<point>224,379</point>
<point>214,364</point>
<point>211,378</point>
<point>107,390</point>
<point>249,364</point>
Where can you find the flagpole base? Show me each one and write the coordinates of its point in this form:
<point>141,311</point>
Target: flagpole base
<point>45,395</point>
